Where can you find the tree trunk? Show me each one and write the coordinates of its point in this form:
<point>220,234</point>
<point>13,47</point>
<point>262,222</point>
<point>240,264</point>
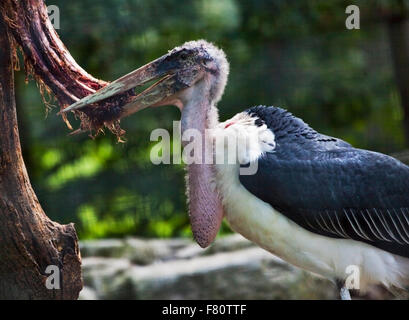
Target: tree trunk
<point>29,240</point>
<point>55,70</point>
<point>398,29</point>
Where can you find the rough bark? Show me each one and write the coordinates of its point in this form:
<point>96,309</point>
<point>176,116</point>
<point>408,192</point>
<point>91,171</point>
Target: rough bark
<point>55,70</point>
<point>29,240</point>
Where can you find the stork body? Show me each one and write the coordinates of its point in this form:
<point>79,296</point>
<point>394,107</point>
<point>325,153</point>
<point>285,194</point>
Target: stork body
<point>317,215</point>
<point>315,201</point>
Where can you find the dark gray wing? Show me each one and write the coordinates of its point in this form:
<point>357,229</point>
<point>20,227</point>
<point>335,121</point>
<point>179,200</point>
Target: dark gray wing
<point>337,191</point>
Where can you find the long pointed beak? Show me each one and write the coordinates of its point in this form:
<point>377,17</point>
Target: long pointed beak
<point>167,85</point>
<point>159,91</point>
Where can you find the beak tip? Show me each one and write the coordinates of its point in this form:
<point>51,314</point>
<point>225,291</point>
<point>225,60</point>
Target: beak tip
<point>69,108</point>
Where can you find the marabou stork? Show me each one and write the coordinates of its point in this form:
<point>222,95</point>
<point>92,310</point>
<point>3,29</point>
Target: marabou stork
<point>315,201</point>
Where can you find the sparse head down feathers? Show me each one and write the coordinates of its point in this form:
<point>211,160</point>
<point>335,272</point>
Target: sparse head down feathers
<point>213,54</point>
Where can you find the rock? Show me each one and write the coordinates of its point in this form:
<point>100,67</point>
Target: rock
<point>223,244</point>
<point>101,274</point>
<point>102,248</point>
<point>144,252</point>
<point>88,294</point>
<point>189,252</point>
<point>229,243</point>
<point>242,274</point>
<point>139,251</point>
<point>231,268</point>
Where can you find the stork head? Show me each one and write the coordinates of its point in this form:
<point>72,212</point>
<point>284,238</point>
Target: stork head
<point>192,77</point>
<point>191,63</point>
<point>174,74</point>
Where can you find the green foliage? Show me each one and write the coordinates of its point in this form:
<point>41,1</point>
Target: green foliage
<point>293,54</point>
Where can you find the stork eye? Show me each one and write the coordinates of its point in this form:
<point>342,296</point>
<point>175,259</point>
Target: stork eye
<point>206,63</point>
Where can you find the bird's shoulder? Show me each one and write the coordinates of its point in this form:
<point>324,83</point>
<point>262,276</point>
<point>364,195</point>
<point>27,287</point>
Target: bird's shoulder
<point>305,163</point>
<point>331,188</point>
<point>293,131</point>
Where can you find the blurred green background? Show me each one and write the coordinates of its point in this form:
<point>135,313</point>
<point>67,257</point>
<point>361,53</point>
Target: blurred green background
<point>294,54</point>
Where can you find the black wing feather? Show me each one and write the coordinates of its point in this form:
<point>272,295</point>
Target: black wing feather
<point>332,189</point>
